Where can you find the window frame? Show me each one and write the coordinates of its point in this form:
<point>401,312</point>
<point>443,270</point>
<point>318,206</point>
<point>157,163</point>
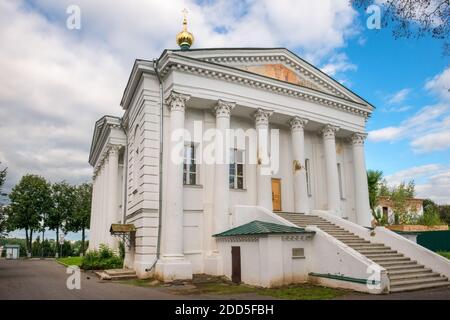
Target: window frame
<point>234,164</point>
<point>187,173</point>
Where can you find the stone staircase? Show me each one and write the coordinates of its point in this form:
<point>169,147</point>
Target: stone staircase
<point>404,274</point>
<point>116,274</point>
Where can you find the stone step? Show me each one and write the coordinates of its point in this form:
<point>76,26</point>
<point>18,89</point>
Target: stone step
<point>390,264</point>
<point>382,255</point>
<point>420,286</point>
<point>390,259</point>
<point>357,242</point>
<point>408,282</point>
<point>366,246</point>
<point>416,275</point>
<point>418,269</point>
<point>403,267</point>
<point>376,251</point>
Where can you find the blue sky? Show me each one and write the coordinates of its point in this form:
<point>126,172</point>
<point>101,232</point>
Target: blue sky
<point>56,82</point>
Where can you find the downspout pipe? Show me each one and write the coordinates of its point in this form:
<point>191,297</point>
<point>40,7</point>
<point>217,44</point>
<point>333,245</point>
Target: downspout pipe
<point>161,127</point>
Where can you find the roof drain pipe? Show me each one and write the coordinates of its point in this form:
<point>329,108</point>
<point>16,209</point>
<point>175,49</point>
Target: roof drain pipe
<point>161,127</point>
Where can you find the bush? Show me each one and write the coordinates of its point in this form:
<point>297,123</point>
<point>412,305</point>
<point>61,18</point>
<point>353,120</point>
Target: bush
<point>101,259</point>
<point>430,218</point>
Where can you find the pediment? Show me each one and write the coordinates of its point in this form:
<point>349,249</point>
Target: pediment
<point>280,72</point>
<point>276,63</point>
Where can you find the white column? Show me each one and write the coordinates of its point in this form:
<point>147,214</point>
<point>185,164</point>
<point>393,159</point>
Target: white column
<point>362,205</point>
<point>94,211</point>
<point>105,205</point>
<point>113,176</point>
<point>173,264</point>
<point>221,170</point>
<point>263,172</point>
<point>301,201</point>
<point>329,143</point>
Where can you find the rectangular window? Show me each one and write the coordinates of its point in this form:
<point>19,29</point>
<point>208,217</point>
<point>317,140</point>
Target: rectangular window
<point>341,189</point>
<point>189,165</point>
<point>308,177</point>
<point>236,169</point>
<point>298,253</point>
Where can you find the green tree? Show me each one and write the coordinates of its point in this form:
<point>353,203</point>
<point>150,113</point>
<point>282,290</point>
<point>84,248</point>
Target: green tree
<point>430,215</point>
<point>374,178</point>
<point>63,198</point>
<point>444,212</point>
<point>399,196</point>
<point>29,199</point>
<point>80,219</point>
<point>2,177</point>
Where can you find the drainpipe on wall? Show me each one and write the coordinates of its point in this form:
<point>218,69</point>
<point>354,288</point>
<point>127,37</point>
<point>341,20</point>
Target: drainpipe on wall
<point>161,127</point>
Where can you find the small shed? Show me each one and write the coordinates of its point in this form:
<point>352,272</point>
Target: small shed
<point>265,254</point>
<point>12,251</point>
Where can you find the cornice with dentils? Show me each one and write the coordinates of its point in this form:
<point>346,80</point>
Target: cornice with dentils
<point>172,61</point>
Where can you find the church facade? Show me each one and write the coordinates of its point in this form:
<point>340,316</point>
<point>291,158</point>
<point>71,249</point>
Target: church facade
<point>286,142</point>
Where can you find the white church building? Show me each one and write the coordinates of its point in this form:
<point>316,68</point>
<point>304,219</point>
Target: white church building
<point>247,163</point>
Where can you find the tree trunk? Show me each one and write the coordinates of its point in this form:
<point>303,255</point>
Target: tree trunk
<point>57,242</point>
<point>31,241</point>
<point>26,240</point>
<point>82,241</point>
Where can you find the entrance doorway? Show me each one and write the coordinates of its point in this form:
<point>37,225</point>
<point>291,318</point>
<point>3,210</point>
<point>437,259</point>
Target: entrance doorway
<point>276,194</point>
<point>236,264</point>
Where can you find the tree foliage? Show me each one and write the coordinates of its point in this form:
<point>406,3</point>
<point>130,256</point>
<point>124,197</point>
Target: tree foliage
<point>79,220</point>
<point>63,197</point>
<point>2,177</point>
<point>414,18</point>
<point>374,179</point>
<point>29,200</point>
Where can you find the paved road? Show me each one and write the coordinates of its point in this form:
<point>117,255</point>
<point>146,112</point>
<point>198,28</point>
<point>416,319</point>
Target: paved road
<point>46,279</point>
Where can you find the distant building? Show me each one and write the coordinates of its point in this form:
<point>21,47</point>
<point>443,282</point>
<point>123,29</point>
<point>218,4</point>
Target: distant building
<point>385,206</point>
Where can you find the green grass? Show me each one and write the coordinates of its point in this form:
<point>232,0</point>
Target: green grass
<point>302,292</point>
<point>292,292</point>
<point>70,261</point>
<point>141,282</point>
<point>444,254</point>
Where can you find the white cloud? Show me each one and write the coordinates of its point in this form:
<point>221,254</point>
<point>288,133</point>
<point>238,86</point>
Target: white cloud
<point>338,63</point>
<point>399,96</point>
<point>55,82</point>
<point>427,130</point>
<point>432,181</point>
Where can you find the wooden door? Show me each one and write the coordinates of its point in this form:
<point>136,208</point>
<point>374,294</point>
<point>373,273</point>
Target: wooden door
<point>236,264</point>
<point>276,194</point>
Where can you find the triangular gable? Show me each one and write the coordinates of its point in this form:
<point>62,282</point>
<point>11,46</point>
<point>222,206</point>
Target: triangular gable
<point>277,63</point>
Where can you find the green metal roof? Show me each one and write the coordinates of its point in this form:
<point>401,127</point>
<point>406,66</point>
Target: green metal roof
<point>259,228</point>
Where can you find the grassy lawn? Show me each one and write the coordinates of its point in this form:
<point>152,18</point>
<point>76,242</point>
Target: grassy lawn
<point>444,254</point>
<point>70,261</point>
<point>292,292</point>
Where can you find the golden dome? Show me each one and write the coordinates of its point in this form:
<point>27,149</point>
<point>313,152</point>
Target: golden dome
<point>185,39</point>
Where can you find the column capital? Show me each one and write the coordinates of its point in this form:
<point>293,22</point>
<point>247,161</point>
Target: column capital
<point>113,149</point>
<point>262,116</point>
<point>223,108</point>
<point>298,123</point>
<point>329,131</point>
<point>357,138</point>
<point>177,101</point>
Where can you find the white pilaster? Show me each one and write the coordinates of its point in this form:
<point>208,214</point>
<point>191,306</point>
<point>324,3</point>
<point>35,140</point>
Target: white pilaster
<point>362,205</point>
<point>113,173</point>
<point>301,201</point>
<point>263,171</point>
<point>93,206</point>
<point>221,172</point>
<point>329,143</point>
<point>173,265</point>
<point>105,205</point>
